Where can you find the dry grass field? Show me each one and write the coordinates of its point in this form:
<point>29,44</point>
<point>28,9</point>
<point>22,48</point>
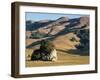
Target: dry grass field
<point>63,59</point>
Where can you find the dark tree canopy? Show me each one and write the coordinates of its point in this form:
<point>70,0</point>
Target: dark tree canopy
<point>84,39</point>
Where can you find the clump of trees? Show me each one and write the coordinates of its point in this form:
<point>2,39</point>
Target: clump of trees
<point>44,52</point>
<point>36,35</point>
<point>84,39</point>
<point>47,45</point>
<point>73,39</point>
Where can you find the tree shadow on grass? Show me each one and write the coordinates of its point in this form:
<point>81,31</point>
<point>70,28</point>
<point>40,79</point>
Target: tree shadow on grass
<point>75,52</point>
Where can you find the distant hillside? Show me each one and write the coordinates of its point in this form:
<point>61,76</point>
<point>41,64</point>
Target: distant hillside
<point>64,32</point>
<point>61,25</point>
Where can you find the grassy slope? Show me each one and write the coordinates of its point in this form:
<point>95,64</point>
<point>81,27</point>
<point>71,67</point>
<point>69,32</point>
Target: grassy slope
<point>63,45</point>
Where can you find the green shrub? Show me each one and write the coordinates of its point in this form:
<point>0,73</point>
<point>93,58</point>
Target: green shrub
<point>37,35</point>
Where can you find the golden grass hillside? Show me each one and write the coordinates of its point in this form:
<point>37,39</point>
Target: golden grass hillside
<point>65,56</point>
